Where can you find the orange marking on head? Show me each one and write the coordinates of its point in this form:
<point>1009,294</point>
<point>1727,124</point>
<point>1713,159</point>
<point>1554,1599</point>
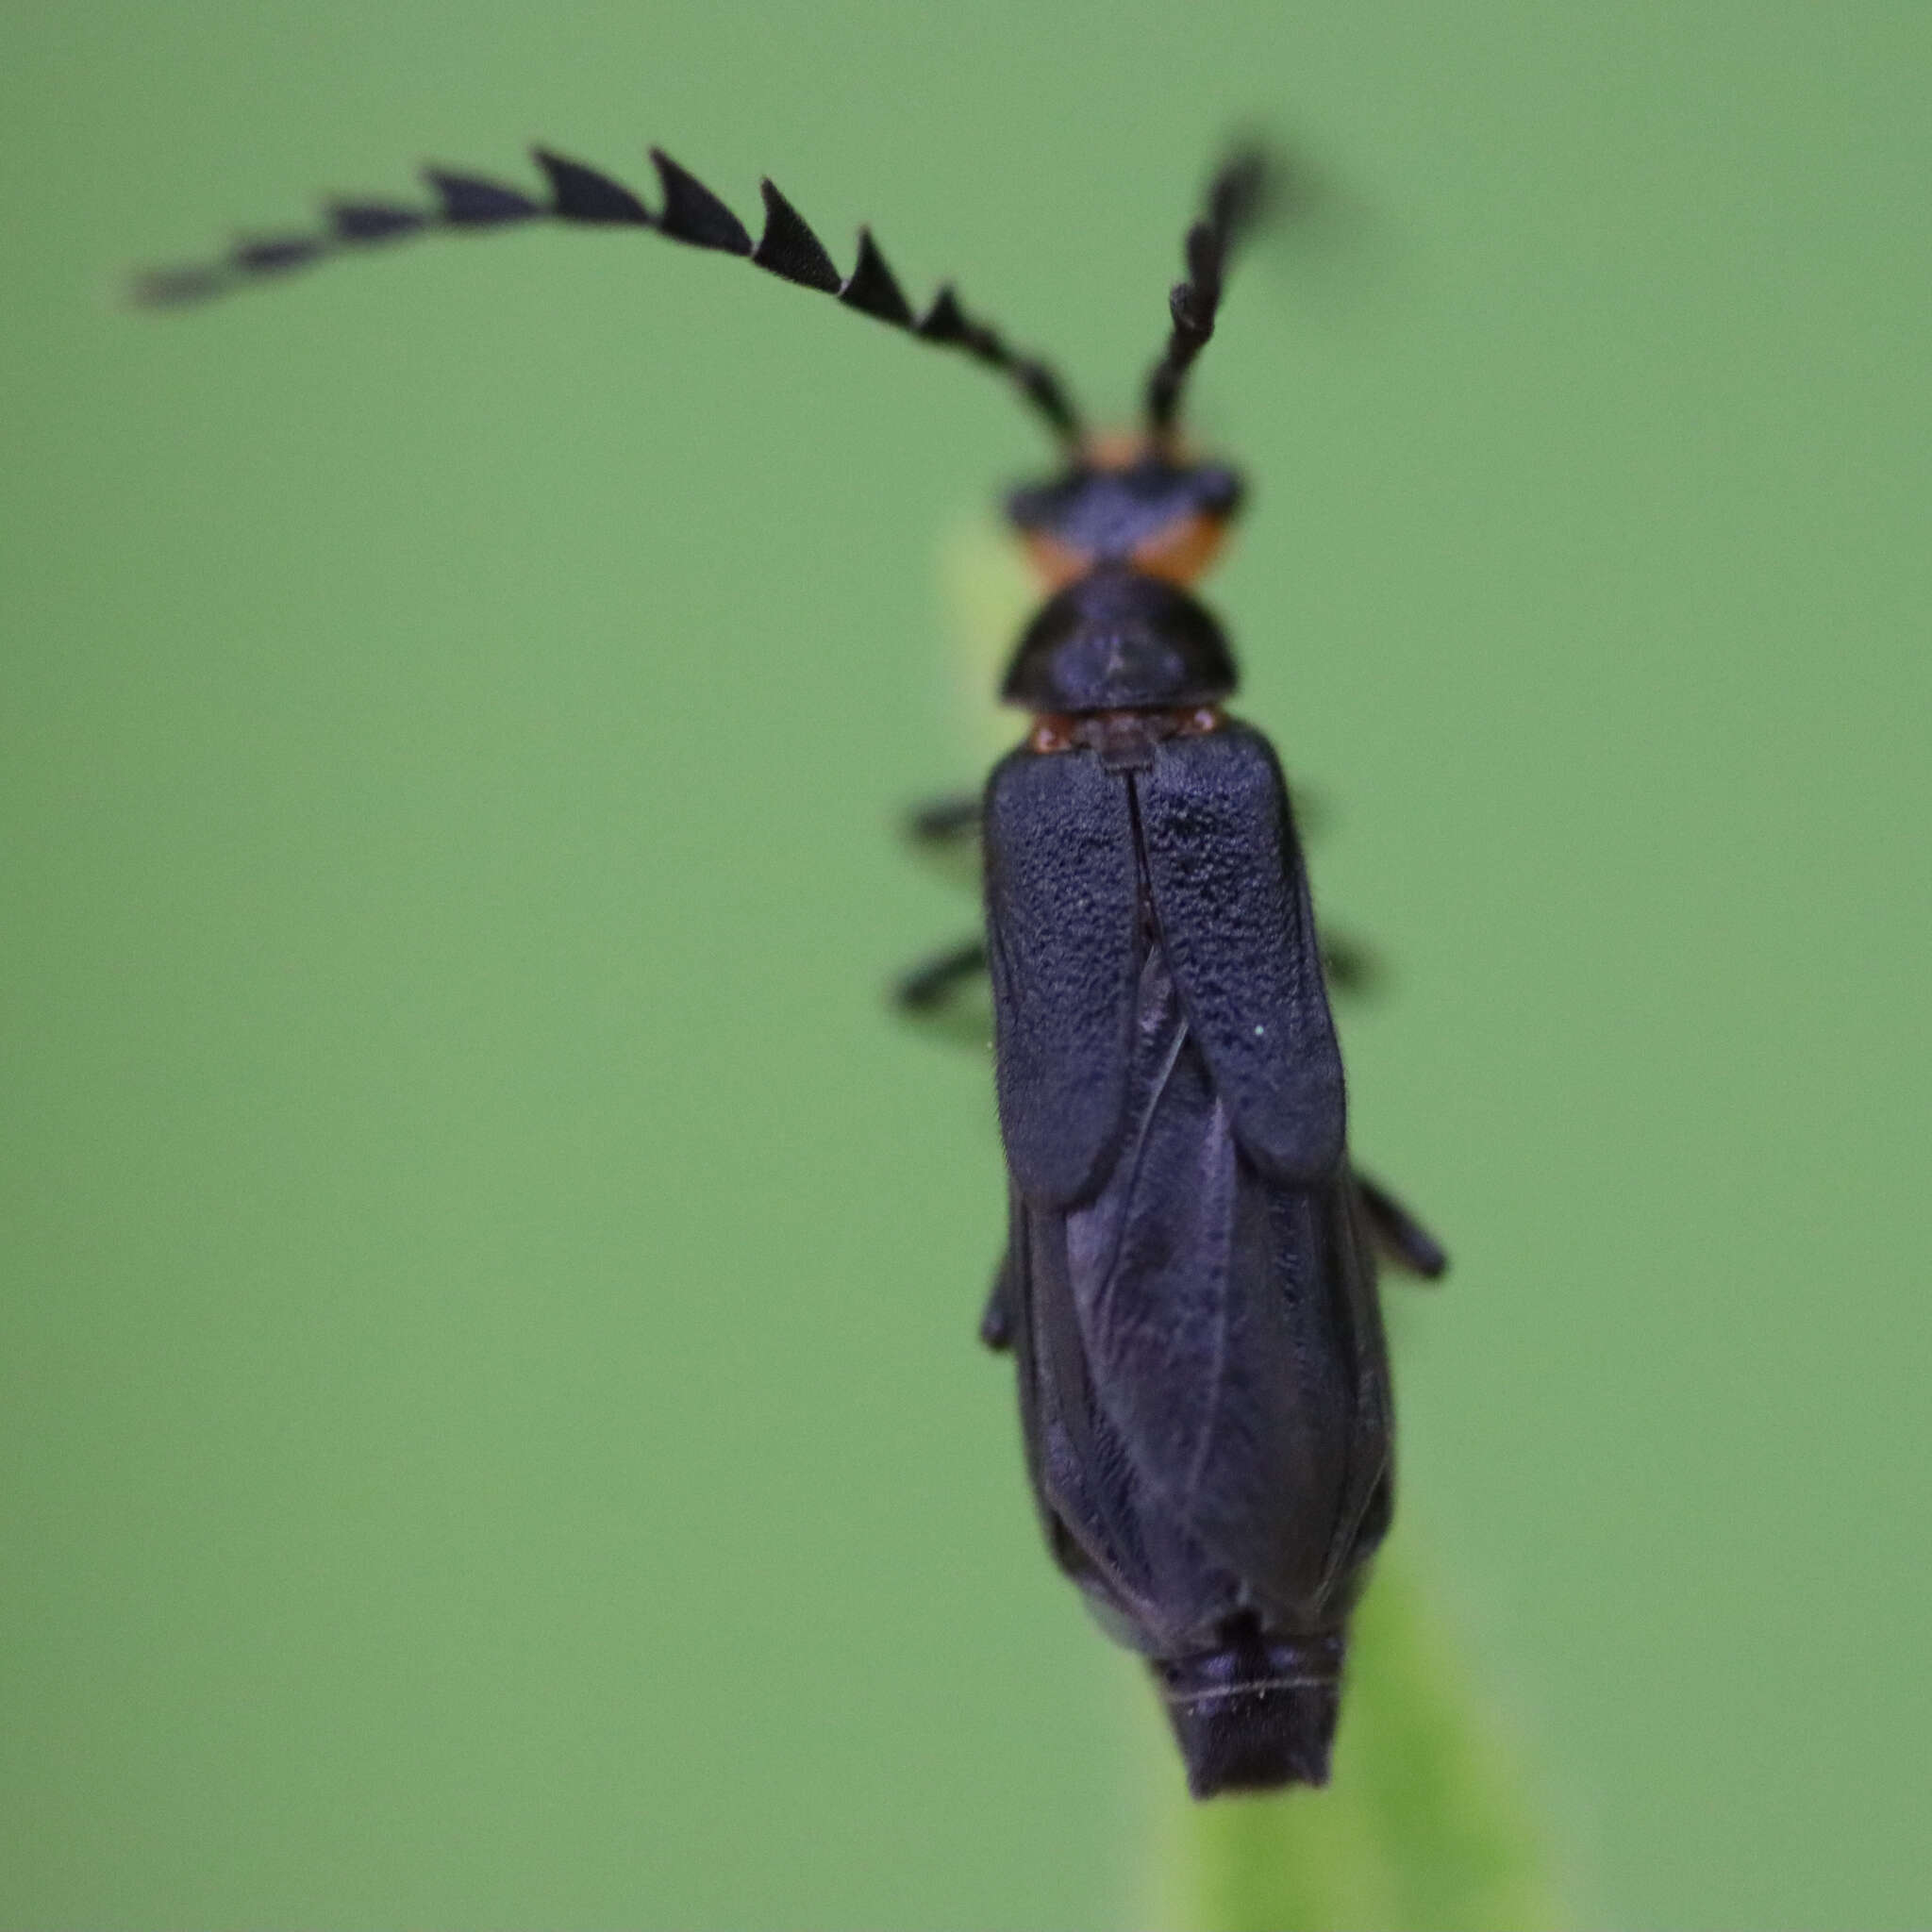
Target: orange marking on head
<point>1183,550</point>
<point>1115,449</point>
<point>1054,563</point>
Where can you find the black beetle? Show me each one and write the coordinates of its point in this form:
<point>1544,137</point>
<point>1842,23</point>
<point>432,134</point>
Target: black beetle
<point>1189,1285</point>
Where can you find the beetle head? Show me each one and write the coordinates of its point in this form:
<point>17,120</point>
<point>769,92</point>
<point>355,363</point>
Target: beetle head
<point>1133,503</point>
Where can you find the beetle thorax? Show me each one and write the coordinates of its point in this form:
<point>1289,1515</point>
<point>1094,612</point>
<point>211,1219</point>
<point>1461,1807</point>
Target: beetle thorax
<point>1119,639</point>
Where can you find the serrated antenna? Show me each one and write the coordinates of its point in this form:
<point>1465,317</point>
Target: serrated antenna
<point>587,198</point>
<point>1238,197</point>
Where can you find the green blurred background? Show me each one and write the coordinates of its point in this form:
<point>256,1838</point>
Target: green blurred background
<point>492,1430</point>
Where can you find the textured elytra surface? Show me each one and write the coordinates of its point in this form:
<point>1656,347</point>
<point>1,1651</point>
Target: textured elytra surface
<point>1228,894</point>
<point>1061,914</point>
<point>1188,1286</point>
<point>1232,900</point>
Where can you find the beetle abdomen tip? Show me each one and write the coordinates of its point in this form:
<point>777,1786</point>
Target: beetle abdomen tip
<point>1257,1715</point>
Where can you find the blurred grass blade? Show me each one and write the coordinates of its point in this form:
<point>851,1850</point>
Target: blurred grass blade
<point>1428,1825</point>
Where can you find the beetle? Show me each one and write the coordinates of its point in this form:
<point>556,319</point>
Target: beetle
<point>1189,1285</point>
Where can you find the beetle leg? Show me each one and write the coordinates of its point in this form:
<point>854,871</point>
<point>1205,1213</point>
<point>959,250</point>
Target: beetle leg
<point>1350,965</point>
<point>944,832</point>
<point>935,982</point>
<point>948,993</point>
<point>947,820</point>
<point>996,1321</point>
<point>1398,1233</point>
